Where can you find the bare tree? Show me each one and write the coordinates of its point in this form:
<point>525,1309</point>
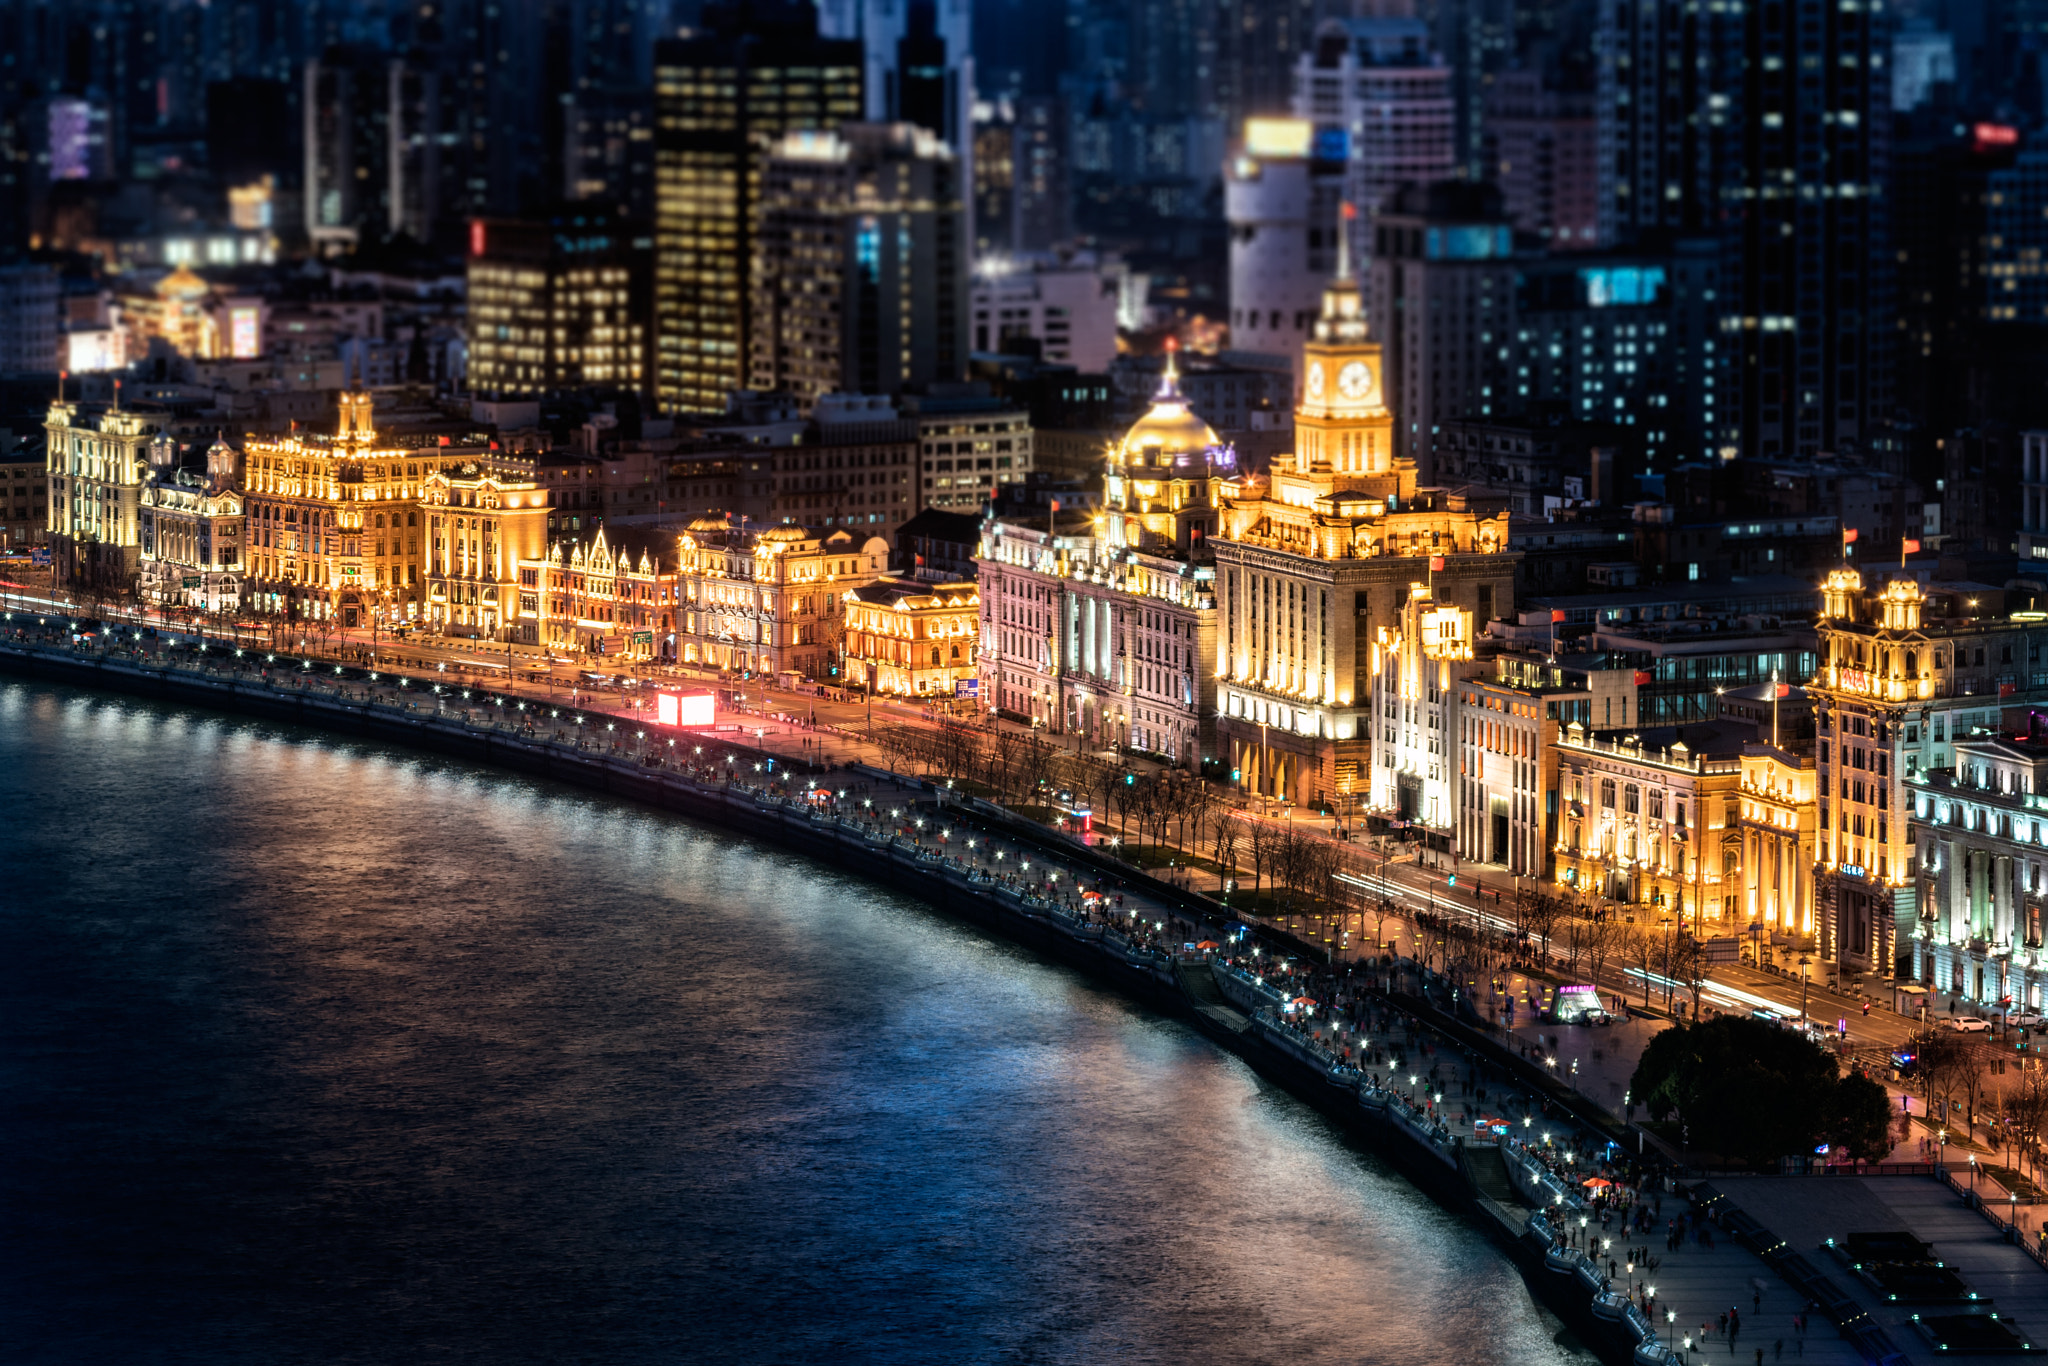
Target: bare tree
<point>1229,833</point>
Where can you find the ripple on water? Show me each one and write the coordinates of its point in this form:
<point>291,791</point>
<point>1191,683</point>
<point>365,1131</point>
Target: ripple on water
<point>320,1052</point>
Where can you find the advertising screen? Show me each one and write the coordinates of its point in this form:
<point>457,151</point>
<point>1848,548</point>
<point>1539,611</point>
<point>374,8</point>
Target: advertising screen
<point>697,709</point>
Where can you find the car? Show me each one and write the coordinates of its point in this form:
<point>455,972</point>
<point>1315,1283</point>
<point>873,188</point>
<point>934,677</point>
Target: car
<point>2024,1019</point>
<point>1970,1024</point>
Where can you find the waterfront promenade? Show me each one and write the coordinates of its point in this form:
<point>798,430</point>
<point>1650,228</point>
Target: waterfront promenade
<point>921,826</point>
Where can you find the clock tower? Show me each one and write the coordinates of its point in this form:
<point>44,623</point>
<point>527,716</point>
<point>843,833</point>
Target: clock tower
<point>1342,427</point>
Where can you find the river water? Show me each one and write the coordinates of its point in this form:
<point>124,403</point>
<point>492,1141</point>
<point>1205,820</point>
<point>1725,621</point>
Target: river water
<point>320,1052</point>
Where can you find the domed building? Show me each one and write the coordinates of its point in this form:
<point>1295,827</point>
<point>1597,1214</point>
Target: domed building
<point>1103,625</point>
<point>1164,483</point>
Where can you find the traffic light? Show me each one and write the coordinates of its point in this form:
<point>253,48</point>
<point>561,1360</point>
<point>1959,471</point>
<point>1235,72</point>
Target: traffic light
<point>1130,779</point>
<point>1451,881</point>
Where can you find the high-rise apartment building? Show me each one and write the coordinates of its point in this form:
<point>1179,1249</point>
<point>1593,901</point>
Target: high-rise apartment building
<point>1380,98</point>
<point>559,303</point>
<point>1041,157</point>
<point>756,72</point>
<point>346,103</point>
<point>860,266</point>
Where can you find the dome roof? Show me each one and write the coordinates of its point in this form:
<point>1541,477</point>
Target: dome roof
<point>786,532</point>
<point>1170,427</point>
<point>710,521</point>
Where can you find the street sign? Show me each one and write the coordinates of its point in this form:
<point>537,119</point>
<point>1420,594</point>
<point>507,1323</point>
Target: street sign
<point>191,580</point>
<point>966,687</point>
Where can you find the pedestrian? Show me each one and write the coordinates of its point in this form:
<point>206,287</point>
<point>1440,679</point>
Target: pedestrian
<point>1778,1350</point>
<point>1721,1325</point>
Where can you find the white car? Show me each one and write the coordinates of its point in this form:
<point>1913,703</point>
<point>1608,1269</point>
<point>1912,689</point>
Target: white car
<point>1970,1024</point>
<point>2023,1019</point>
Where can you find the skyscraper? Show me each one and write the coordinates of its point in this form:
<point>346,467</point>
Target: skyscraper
<point>1380,97</point>
<point>1282,205</point>
<point>1768,125</point>
<point>860,272</point>
<point>758,71</point>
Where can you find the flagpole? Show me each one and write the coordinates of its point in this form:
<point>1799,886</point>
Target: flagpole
<point>1774,709</point>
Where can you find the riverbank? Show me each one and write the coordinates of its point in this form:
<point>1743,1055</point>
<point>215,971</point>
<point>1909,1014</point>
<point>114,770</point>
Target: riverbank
<point>881,839</point>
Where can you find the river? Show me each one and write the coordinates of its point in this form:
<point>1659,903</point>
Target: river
<point>320,1052</point>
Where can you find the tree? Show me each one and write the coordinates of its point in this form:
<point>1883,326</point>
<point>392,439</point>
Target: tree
<point>1745,1088</point>
<point>1229,835</point>
<point>1859,1118</point>
<point>1541,920</point>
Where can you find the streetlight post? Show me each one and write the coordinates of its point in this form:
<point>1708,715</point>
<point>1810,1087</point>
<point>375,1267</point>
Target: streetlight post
<point>1805,975</point>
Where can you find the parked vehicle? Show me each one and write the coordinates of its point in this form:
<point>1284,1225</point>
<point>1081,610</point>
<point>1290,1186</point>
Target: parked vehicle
<point>1970,1024</point>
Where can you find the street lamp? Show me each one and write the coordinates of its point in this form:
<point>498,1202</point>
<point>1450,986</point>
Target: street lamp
<point>1805,975</point>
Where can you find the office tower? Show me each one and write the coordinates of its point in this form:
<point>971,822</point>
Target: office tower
<point>917,62</point>
<point>608,149</point>
<point>1260,42</point>
<point>860,271</point>
<point>31,323</point>
<point>757,72</point>
<point>1381,97</point>
<point>995,178</point>
<point>1441,296</point>
<point>1669,110</point>
<point>559,303</point>
<point>1769,125</point>
<point>1282,204</point>
<point>1041,193</point>
<point>346,105</point>
<point>1813,315</point>
<point>1542,147</point>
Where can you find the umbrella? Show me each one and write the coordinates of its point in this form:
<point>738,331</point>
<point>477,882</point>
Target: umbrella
<point>1302,1001</point>
<point>1596,1182</point>
<point>1208,944</point>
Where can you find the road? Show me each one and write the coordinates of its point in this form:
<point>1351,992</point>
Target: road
<point>831,728</point>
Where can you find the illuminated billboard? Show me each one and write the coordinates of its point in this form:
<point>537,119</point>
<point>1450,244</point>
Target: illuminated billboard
<point>245,333</point>
<point>697,709</point>
<point>1277,137</point>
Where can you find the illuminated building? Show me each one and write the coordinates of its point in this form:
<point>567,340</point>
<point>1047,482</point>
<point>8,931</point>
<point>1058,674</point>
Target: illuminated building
<point>853,465</point>
<point>560,304</point>
<point>1416,673</point>
<point>912,639</point>
<point>1312,564</point>
<point>1380,99</point>
<point>860,274</point>
<point>1507,727</point>
<point>614,595</point>
<point>477,527</point>
<point>191,530</point>
<point>1282,204</point>
<point>334,521</point>
<point>1779,805</point>
<point>98,462</point>
<point>1982,833</point>
<point>756,72</point>
<point>972,445</point>
<point>1906,674</point>
<point>769,602</point>
<point>194,319</point>
<point>1067,305</point>
<point>1104,625</point>
<point>1647,820</point>
<point>24,497</point>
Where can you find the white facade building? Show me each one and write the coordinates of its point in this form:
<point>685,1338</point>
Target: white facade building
<point>1283,209</point>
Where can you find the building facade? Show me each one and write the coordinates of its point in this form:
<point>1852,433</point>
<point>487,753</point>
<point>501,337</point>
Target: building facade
<point>910,639</point>
<point>558,304</point>
<point>97,461</point>
<point>769,602</point>
<point>615,596</point>
<point>1646,821</point>
<point>1312,562</point>
<point>190,530</point>
<point>1905,675</point>
<point>1981,831</point>
<point>478,527</point>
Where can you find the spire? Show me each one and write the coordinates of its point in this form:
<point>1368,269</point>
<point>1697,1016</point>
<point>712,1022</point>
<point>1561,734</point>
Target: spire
<point>1348,213</point>
<point>1169,379</point>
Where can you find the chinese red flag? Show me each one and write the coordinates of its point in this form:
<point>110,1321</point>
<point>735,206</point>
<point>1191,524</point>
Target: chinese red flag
<point>1784,690</point>
<point>1556,615</point>
<point>1849,536</point>
<point>1436,563</point>
<point>1912,547</point>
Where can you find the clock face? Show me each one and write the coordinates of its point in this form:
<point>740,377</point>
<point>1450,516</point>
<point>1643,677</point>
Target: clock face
<point>1354,381</point>
<point>1315,381</point>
